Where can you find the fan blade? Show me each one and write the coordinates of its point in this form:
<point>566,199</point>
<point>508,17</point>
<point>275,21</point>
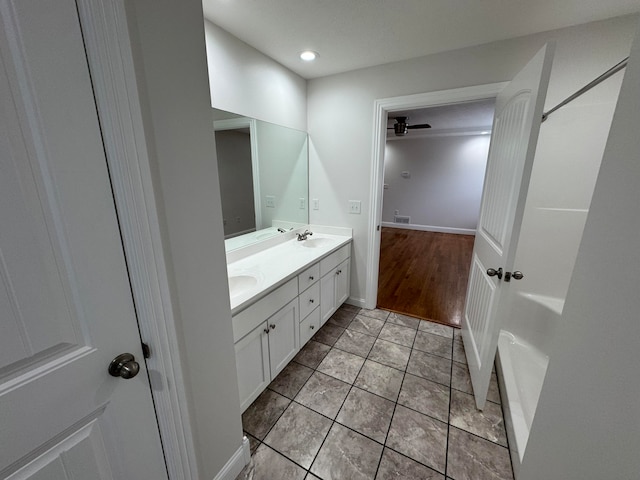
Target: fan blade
<point>421,125</point>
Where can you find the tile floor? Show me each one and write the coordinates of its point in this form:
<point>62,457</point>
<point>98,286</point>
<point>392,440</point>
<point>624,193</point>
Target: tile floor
<point>376,395</point>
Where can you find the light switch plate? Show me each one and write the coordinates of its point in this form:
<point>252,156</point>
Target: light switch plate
<point>302,202</point>
<point>316,204</point>
<point>354,206</point>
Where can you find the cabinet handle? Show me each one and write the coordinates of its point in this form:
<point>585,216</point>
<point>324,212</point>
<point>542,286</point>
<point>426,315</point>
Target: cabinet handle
<point>266,330</point>
<point>312,327</point>
<point>273,326</point>
<point>311,278</point>
<point>311,300</point>
<point>338,272</point>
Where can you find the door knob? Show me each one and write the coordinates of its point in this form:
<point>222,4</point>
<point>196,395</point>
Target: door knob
<point>517,275</point>
<point>492,272</point>
<point>124,365</point>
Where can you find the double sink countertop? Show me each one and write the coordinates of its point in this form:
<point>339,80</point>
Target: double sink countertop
<point>258,271</point>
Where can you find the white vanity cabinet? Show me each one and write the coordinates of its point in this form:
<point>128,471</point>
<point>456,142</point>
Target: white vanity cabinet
<point>264,347</point>
<point>334,282</point>
<point>269,332</point>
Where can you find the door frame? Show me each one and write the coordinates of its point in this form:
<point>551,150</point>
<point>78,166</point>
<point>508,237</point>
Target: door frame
<point>109,53</point>
<point>381,108</point>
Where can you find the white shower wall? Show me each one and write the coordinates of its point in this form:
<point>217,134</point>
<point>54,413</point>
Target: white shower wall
<point>567,162</point>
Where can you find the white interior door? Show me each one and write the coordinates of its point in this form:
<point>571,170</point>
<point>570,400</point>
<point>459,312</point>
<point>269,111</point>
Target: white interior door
<point>65,303</point>
<point>515,132</point>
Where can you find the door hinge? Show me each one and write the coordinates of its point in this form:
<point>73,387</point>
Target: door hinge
<point>146,351</point>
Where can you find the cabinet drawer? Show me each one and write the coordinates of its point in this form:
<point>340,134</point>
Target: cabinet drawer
<point>309,299</point>
<point>307,278</point>
<point>335,259</point>
<point>309,326</point>
<point>252,316</point>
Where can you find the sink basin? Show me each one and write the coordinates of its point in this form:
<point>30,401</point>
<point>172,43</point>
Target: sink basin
<point>239,284</point>
<point>317,242</point>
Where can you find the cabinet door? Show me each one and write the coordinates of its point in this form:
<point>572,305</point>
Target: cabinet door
<point>284,340</point>
<point>342,282</point>
<point>309,326</point>
<point>252,364</point>
<point>327,296</point>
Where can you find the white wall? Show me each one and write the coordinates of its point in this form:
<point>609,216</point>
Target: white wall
<point>233,149</point>
<point>249,83</point>
<point>445,184</point>
<point>588,421</point>
<point>340,158</point>
<point>172,79</point>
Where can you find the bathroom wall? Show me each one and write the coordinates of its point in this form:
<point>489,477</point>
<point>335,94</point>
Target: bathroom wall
<point>340,158</point>
<point>172,79</point>
<point>444,189</point>
<point>247,82</point>
<point>233,149</point>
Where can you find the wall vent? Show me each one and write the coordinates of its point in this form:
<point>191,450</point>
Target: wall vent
<point>401,219</point>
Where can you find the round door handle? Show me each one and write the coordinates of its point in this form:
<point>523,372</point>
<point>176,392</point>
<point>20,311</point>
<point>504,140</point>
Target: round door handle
<point>517,275</point>
<point>273,326</point>
<point>312,327</point>
<point>492,272</point>
<point>124,366</point>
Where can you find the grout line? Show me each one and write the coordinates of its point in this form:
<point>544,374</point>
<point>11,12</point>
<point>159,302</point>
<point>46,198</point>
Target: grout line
<point>446,452</point>
<point>395,406</point>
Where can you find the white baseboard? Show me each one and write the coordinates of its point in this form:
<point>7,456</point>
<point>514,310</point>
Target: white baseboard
<point>236,463</point>
<point>356,302</point>
<point>430,228</point>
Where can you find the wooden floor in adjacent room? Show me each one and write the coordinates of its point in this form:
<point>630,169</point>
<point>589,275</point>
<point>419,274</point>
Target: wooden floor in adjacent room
<point>424,274</point>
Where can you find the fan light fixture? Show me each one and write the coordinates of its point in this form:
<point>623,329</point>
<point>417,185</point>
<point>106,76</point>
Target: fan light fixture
<point>309,55</point>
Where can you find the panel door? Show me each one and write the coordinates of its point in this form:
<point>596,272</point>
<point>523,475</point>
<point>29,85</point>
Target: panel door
<point>252,364</point>
<point>513,142</point>
<point>284,340</point>
<point>327,296</point>
<point>65,303</point>
<point>343,278</point>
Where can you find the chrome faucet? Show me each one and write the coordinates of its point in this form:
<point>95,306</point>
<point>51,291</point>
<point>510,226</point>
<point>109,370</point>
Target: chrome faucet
<point>303,236</point>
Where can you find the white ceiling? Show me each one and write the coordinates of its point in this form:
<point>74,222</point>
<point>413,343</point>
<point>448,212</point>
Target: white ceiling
<point>352,34</point>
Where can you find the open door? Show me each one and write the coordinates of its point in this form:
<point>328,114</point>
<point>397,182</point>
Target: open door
<point>71,406</point>
<point>516,124</point>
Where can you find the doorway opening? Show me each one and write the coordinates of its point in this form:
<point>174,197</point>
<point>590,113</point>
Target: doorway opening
<point>427,199</point>
<point>433,177</point>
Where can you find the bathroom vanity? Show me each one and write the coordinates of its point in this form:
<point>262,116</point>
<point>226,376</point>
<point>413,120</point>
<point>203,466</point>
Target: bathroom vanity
<point>281,293</point>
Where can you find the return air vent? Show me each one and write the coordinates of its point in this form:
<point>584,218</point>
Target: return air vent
<point>401,219</point>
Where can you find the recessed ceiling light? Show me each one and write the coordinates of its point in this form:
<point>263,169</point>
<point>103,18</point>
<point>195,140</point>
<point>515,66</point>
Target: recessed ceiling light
<point>309,55</point>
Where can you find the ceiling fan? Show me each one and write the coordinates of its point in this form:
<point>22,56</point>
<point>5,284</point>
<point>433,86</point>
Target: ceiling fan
<point>401,127</point>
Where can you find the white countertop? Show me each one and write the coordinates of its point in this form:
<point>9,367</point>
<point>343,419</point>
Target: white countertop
<point>269,268</point>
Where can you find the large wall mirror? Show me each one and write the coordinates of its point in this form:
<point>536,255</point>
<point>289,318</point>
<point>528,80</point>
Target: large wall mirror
<point>264,181</point>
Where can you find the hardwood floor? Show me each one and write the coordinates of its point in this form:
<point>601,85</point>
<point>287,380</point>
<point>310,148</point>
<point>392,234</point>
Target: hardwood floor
<point>424,274</point>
